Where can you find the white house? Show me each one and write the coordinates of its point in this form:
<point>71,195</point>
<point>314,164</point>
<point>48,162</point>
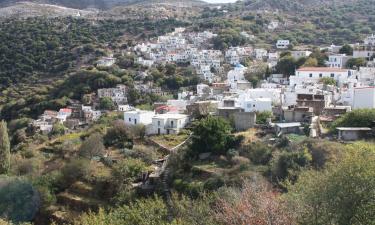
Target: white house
<point>179,104</point>
<point>168,123</point>
<point>124,108</point>
<point>260,93</point>
<point>117,94</point>
<point>363,52</point>
<point>366,75</point>
<point>300,54</point>
<point>145,62</point>
<point>273,25</point>
<point>203,89</point>
<point>136,117</point>
<point>306,75</point>
<point>257,105</point>
<point>106,61</point>
<point>236,75</point>
<point>364,98</point>
<point>338,60</point>
<point>64,114</point>
<point>260,53</point>
<point>282,44</point>
<point>370,40</point>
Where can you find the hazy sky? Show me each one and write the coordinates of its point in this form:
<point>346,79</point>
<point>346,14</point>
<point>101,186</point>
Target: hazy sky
<point>220,1</point>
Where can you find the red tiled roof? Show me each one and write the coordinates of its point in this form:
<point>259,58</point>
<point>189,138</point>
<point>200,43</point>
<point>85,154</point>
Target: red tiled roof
<point>65,110</point>
<point>321,69</point>
<point>369,87</point>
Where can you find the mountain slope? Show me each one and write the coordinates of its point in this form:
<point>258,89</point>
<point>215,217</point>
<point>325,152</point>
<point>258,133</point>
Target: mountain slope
<point>290,5</point>
<point>29,9</point>
<point>103,4</point>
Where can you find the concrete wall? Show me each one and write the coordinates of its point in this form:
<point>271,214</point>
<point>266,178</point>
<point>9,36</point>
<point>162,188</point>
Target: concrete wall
<point>364,98</point>
<point>244,120</point>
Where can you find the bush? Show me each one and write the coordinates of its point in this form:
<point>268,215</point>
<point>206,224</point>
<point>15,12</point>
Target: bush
<point>129,170</point>
<point>75,170</point>
<point>355,118</point>
<point>263,116</point>
<point>106,103</point>
<point>118,135</point>
<point>92,147</point>
<point>19,201</point>
<point>343,193</point>
<point>212,134</point>
<point>58,129</point>
<point>258,153</point>
<point>328,81</point>
<point>213,183</point>
<point>289,164</point>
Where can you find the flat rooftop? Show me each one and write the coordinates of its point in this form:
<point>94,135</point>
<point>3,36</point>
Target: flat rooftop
<point>354,128</point>
<point>285,125</point>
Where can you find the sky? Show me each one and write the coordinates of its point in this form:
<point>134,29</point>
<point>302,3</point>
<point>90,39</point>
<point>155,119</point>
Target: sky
<point>220,1</point>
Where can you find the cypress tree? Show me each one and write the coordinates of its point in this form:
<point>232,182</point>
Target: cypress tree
<point>4,149</point>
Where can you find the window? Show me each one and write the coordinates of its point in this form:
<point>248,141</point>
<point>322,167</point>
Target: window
<point>332,75</point>
<point>135,121</point>
<point>158,122</point>
<point>130,119</point>
<point>320,75</point>
<point>172,123</point>
<point>310,75</point>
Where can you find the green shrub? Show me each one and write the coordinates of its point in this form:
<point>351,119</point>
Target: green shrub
<point>258,153</point>
<point>355,118</point>
<point>213,183</point>
<point>19,201</point>
<point>263,116</point>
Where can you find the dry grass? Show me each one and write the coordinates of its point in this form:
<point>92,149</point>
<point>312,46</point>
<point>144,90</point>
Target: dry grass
<point>170,141</point>
<point>249,135</point>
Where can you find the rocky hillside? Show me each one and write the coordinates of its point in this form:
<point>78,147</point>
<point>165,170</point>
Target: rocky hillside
<point>290,5</point>
<point>30,9</point>
<point>102,4</point>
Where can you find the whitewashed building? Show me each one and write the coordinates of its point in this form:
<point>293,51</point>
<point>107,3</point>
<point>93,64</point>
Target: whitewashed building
<point>106,62</point>
<point>236,75</point>
<point>282,44</point>
<point>370,40</point>
<point>136,117</point>
<point>203,89</point>
<point>364,98</point>
<point>260,53</point>
<point>117,94</point>
<point>168,123</point>
<point>338,60</point>
<point>300,54</point>
<point>312,75</point>
<point>257,105</point>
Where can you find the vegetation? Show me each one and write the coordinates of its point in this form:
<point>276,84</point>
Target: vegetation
<point>4,149</point>
<point>92,147</point>
<point>212,134</point>
<point>346,49</point>
<point>356,63</point>
<point>355,118</point>
<point>263,116</point>
<point>343,193</point>
<point>328,81</point>
<point>19,201</point>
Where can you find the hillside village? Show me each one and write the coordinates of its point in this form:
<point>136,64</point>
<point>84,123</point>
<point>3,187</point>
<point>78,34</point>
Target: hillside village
<point>311,96</point>
<point>186,113</point>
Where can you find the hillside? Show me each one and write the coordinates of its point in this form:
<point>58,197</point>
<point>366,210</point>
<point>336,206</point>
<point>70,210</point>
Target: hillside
<point>292,5</point>
<point>103,4</point>
<point>30,9</point>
